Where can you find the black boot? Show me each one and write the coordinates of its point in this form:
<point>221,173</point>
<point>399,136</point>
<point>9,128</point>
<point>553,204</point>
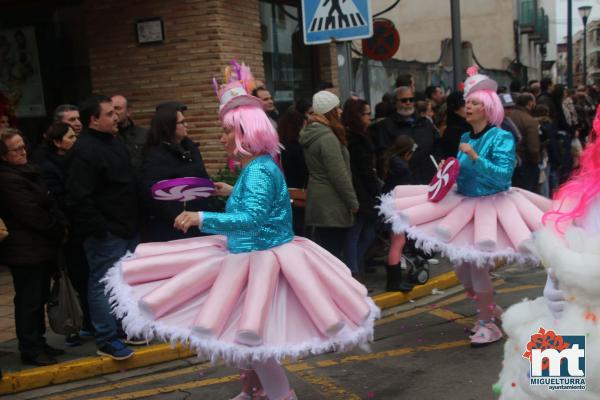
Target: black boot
<point>395,283</point>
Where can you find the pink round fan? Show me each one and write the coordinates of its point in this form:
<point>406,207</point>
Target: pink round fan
<point>182,189</point>
<point>443,180</point>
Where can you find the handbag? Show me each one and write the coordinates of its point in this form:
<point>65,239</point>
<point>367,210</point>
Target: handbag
<point>3,230</point>
<point>298,197</point>
<point>64,311</point>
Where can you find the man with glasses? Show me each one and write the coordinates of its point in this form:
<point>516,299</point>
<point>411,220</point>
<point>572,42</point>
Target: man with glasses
<point>404,122</point>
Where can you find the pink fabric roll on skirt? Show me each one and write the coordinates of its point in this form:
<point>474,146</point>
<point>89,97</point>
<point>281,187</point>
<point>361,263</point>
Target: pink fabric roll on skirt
<point>468,229</point>
<point>292,300</point>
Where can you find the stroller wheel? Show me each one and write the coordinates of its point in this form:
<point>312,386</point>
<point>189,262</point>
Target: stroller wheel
<point>420,275</point>
<point>419,270</point>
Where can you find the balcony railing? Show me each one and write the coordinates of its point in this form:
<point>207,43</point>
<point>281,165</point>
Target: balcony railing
<point>540,33</point>
<point>527,15</point>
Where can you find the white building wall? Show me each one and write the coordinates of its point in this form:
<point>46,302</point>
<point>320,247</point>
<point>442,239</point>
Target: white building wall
<point>487,24</point>
<point>423,24</point>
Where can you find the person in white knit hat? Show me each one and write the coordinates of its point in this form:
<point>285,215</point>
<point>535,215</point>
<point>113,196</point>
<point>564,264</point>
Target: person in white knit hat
<point>331,201</point>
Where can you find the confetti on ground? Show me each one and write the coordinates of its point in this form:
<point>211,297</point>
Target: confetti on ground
<point>436,291</point>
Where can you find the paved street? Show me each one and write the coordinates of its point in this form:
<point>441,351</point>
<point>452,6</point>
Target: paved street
<point>421,351</point>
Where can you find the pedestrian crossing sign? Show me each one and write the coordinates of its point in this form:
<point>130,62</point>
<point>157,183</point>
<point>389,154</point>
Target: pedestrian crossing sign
<point>324,20</point>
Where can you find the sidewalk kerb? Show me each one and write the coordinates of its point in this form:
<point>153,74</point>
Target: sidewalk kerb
<point>89,367</point>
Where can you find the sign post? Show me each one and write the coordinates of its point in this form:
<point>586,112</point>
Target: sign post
<point>341,21</point>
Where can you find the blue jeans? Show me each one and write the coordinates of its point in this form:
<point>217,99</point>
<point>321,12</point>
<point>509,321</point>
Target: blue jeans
<point>360,237</point>
<point>102,254</point>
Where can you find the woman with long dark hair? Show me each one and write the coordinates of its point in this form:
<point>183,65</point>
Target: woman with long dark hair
<point>53,158</point>
<point>356,118</point>
<point>292,160</point>
<point>169,154</point>
<point>331,201</point>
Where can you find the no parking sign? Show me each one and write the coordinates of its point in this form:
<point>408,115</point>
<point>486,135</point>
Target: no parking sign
<point>384,43</point>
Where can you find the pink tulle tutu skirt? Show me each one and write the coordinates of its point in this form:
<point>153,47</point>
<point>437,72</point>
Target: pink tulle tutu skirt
<point>478,230</point>
<point>288,301</point>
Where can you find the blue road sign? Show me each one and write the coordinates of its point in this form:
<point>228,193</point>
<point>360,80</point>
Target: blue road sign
<point>324,20</point>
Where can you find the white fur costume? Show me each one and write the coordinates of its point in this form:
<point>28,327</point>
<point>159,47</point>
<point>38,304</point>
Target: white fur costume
<point>575,261</point>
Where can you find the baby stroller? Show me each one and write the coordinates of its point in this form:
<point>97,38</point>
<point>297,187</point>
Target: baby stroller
<point>416,267</point>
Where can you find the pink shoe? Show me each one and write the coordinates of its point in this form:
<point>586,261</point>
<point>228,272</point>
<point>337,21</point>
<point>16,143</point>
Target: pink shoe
<point>251,386</point>
<point>498,311</point>
<point>487,333</point>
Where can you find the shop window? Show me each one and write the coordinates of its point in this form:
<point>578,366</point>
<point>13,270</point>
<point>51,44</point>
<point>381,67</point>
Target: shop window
<point>290,72</point>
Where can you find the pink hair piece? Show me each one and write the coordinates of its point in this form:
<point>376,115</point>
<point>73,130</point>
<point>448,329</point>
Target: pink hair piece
<point>491,104</point>
<point>472,70</point>
<point>247,78</point>
<point>236,68</point>
<point>596,123</point>
<point>216,85</point>
<point>575,196</point>
<point>254,133</point>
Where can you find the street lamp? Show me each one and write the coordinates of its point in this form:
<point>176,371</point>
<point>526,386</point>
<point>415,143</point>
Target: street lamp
<point>584,13</point>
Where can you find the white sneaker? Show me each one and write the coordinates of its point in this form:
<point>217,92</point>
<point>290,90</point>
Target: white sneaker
<point>433,261</point>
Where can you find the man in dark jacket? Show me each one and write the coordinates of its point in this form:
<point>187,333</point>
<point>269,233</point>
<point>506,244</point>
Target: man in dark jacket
<point>133,136</point>
<point>527,173</point>
<point>420,129</point>
<point>545,97</point>
<point>102,199</point>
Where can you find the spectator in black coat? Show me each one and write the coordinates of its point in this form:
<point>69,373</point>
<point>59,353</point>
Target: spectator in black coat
<point>292,161</point>
<point>103,206</point>
<point>404,122</point>
<point>356,118</point>
<point>456,124</point>
<point>395,166</point>
<point>36,229</point>
<point>169,154</point>
<point>133,136</point>
<point>550,145</point>
<point>53,158</point>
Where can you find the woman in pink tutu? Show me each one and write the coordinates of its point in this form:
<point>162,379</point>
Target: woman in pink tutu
<point>481,219</point>
<point>253,293</point>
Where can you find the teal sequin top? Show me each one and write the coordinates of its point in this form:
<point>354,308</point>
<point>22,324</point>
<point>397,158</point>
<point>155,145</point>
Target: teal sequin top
<point>258,214</point>
<point>492,172</point>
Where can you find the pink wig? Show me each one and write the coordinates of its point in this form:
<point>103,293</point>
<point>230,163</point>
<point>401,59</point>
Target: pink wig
<point>575,196</point>
<point>254,133</point>
<point>491,104</point>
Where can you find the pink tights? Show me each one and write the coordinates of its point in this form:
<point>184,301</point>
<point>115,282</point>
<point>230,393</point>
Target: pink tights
<point>397,243</point>
<point>272,377</point>
<point>478,285</point>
